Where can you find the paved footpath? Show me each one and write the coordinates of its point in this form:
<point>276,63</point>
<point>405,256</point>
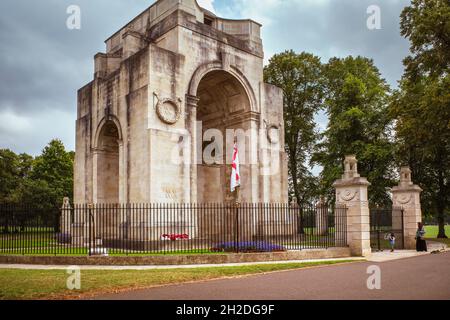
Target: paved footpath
<point>425,276</point>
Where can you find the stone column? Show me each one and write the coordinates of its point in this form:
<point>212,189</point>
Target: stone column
<point>95,176</point>
<point>65,217</point>
<point>294,211</point>
<point>79,227</point>
<point>191,109</point>
<point>321,217</point>
<point>122,174</point>
<point>351,191</point>
<point>407,196</point>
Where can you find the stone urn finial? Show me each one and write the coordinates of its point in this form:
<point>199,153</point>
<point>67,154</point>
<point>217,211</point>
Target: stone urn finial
<point>405,176</point>
<point>350,167</point>
<point>66,202</point>
<point>322,202</point>
<point>294,202</point>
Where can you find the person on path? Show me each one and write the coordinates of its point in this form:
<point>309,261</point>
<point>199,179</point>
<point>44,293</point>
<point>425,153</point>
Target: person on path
<point>392,241</point>
<point>421,244</point>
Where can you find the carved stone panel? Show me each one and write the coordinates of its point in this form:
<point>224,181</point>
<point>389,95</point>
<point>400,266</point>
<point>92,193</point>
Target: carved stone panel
<point>348,195</point>
<point>404,198</point>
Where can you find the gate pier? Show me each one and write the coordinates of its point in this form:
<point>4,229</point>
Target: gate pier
<point>407,195</point>
<point>351,191</point>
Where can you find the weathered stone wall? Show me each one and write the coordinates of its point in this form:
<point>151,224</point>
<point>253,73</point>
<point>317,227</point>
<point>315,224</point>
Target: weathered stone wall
<point>149,84</point>
<point>329,253</point>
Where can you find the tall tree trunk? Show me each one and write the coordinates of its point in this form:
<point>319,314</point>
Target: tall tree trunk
<point>441,221</point>
<point>297,196</point>
<point>441,206</point>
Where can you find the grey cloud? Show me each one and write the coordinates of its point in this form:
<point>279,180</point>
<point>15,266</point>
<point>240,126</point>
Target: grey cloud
<point>336,28</point>
<point>42,63</point>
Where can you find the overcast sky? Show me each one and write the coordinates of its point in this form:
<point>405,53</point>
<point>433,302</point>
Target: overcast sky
<point>43,64</point>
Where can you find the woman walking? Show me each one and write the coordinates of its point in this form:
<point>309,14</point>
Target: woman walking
<point>421,244</point>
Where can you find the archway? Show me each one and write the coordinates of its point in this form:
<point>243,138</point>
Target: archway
<point>107,163</point>
<point>223,104</point>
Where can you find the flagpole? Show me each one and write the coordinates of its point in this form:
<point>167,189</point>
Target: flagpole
<point>236,208</point>
<point>237,205</point>
<point>238,188</point>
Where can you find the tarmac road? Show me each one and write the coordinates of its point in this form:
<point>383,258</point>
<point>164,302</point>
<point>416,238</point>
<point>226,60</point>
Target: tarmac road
<point>422,277</point>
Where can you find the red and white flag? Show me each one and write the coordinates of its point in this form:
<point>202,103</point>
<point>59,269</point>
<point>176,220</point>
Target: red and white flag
<point>235,176</point>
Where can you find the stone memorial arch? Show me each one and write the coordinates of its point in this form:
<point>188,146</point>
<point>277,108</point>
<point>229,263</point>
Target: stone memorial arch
<point>172,81</point>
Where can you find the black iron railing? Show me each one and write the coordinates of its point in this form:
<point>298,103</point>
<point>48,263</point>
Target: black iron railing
<point>385,221</point>
<point>142,229</point>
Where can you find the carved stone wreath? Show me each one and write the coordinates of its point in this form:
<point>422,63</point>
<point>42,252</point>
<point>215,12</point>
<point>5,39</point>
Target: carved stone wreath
<point>404,199</point>
<point>168,110</point>
<point>271,136</point>
<point>348,195</point>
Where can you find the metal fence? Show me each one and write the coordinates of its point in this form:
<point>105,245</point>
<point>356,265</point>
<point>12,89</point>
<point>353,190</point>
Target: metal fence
<point>383,222</point>
<point>143,229</point>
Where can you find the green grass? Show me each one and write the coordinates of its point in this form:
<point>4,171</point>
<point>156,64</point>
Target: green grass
<point>51,284</point>
<point>29,240</point>
<point>46,251</point>
<point>432,232</point>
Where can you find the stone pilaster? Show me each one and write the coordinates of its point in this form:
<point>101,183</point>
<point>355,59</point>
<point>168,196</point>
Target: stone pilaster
<point>191,104</point>
<point>321,218</point>
<point>407,196</point>
<point>65,217</point>
<point>351,191</point>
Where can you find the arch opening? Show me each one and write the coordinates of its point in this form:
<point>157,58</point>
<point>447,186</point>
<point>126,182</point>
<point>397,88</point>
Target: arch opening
<point>222,109</point>
<point>108,163</point>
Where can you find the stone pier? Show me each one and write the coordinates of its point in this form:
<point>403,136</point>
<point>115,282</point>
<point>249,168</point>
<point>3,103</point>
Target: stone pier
<point>351,191</point>
<point>407,196</point>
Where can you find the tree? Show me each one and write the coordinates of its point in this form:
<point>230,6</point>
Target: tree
<point>14,169</point>
<point>426,23</point>
<point>356,104</point>
<point>422,110</point>
<point>41,182</point>
<point>300,78</point>
<point>55,167</point>
<point>421,106</point>
<point>9,174</point>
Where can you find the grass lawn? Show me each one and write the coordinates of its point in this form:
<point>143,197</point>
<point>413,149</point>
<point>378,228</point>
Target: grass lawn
<point>51,284</point>
<point>27,240</point>
<point>432,232</point>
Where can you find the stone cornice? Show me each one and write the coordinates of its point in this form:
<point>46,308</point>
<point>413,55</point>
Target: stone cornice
<point>242,117</point>
<point>360,181</point>
<point>410,188</point>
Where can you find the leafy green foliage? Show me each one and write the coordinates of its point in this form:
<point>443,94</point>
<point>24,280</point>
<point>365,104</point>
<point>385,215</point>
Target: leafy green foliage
<point>43,181</point>
<point>356,104</point>
<point>426,23</point>
<point>301,79</point>
<point>421,106</point>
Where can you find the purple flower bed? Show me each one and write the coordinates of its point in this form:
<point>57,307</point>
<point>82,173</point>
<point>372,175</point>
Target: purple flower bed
<point>247,246</point>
